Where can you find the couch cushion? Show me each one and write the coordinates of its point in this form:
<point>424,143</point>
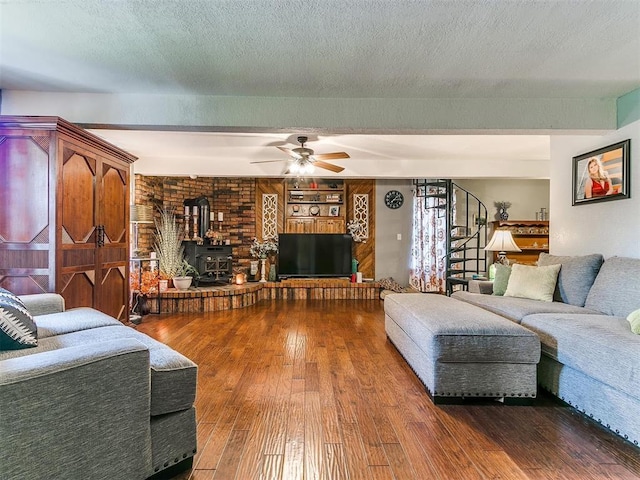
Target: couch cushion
<point>173,376</point>
<point>616,289</point>
<point>515,308</point>
<point>536,283</point>
<point>72,320</point>
<point>600,346</point>
<point>451,331</point>
<point>17,328</point>
<point>576,276</point>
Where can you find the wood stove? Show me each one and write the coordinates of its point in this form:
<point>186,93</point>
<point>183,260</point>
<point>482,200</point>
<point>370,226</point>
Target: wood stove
<point>213,262</point>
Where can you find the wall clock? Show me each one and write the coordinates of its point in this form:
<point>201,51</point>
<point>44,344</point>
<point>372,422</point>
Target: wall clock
<point>393,199</point>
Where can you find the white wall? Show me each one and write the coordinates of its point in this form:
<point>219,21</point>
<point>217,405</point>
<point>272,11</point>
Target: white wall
<point>526,196</point>
<point>392,255</point>
<point>610,228</point>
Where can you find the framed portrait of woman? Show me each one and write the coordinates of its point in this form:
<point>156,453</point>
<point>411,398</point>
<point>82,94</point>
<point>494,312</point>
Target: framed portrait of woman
<point>602,174</point>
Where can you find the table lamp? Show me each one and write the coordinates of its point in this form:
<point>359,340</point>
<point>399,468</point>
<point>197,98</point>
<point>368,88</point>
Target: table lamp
<point>501,242</point>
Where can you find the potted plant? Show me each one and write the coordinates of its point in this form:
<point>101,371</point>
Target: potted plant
<point>168,244</point>
<point>184,276</point>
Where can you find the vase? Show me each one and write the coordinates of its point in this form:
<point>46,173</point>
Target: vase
<point>272,273</point>
<point>182,283</point>
<point>263,270</point>
<point>143,305</point>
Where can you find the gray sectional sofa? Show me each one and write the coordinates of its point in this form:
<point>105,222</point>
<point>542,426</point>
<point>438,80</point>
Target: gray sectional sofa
<point>590,357</point>
<point>94,400</point>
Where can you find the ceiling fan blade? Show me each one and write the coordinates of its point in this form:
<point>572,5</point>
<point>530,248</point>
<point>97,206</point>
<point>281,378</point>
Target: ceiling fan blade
<point>268,161</point>
<point>328,166</point>
<point>331,156</point>
<point>289,152</point>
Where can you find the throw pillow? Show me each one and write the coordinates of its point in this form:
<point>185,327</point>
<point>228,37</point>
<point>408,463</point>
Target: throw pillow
<point>576,276</point>
<point>536,283</point>
<point>501,280</point>
<point>17,328</point>
<point>634,320</point>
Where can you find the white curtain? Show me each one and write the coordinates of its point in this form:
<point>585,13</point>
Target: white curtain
<point>428,245</point>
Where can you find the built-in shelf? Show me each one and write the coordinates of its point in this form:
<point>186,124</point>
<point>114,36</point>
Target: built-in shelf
<point>531,236</point>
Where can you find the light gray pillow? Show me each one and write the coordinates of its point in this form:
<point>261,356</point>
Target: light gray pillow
<point>576,276</point>
<point>616,290</point>
<point>535,283</point>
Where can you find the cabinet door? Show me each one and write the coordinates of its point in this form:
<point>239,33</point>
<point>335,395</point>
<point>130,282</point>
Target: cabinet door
<point>300,225</point>
<point>112,255</point>
<point>330,225</point>
<point>76,273</point>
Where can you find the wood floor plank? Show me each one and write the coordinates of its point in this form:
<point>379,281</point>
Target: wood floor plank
<point>335,464</point>
<point>228,465</point>
<point>309,389</point>
<point>211,451</point>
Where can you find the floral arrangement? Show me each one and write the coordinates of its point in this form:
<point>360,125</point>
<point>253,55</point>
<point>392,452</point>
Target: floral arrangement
<point>145,282</point>
<point>356,230</point>
<point>265,248</point>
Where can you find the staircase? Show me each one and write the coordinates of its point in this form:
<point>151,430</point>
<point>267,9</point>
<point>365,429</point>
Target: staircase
<point>466,229</point>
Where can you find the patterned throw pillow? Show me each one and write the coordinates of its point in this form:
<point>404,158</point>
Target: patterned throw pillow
<point>17,328</point>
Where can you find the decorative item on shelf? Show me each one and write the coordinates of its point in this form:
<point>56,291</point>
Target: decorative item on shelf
<point>139,214</point>
<point>143,283</point>
<point>501,242</point>
<point>253,270</point>
<point>240,278</point>
<point>214,237</point>
<point>262,250</point>
<point>272,272</point>
<point>356,230</point>
<point>502,207</point>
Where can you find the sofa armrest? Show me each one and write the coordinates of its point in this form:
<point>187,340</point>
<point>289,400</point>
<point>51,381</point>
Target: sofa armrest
<point>43,303</point>
<point>481,286</point>
<point>77,412</point>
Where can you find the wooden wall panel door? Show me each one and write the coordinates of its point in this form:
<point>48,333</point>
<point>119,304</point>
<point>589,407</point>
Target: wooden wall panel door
<point>24,212</point>
<point>364,252</point>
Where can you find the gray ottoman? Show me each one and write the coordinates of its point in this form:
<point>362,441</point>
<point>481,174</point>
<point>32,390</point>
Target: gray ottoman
<point>461,351</point>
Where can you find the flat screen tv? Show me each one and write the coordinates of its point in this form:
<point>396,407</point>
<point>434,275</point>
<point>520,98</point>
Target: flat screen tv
<point>314,255</point>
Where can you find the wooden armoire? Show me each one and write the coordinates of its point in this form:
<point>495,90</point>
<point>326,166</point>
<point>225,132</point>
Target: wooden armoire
<point>64,214</point>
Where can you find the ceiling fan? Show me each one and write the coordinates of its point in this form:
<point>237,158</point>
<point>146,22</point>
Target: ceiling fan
<point>304,161</point>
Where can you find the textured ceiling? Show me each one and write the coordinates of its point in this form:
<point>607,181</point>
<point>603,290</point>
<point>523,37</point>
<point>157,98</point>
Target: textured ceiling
<point>324,49</point>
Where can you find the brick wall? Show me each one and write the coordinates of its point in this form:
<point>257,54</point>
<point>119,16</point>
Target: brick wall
<point>234,197</point>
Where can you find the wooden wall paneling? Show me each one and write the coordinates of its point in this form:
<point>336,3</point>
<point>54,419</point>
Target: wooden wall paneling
<point>269,186</point>
<point>364,252</point>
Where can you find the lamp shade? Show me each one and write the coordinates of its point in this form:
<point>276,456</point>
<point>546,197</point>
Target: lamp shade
<point>502,241</point>
<point>141,213</point>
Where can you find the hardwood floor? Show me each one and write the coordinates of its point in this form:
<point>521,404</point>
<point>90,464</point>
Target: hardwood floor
<point>312,389</point>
